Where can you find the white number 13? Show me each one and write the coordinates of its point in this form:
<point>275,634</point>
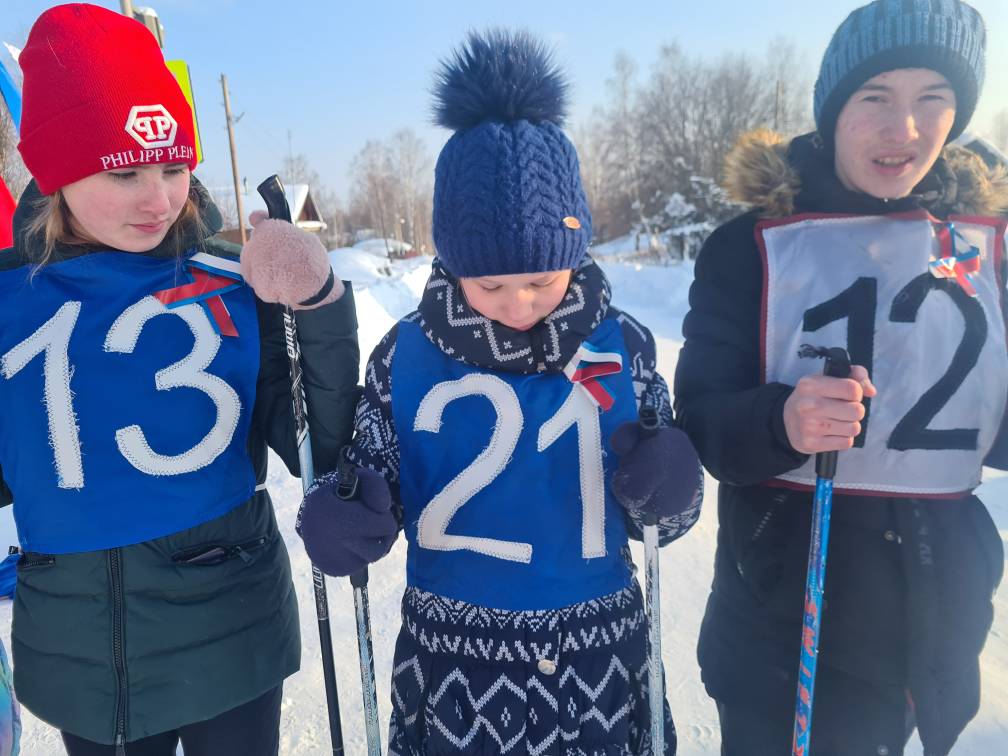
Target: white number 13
<point>53,338</point>
<point>577,410</point>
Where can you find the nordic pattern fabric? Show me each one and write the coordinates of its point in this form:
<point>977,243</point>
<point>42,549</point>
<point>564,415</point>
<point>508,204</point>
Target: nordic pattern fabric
<point>947,36</point>
<point>486,681</point>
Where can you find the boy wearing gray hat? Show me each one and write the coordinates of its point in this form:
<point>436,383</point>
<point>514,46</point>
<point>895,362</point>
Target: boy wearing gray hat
<point>876,235</point>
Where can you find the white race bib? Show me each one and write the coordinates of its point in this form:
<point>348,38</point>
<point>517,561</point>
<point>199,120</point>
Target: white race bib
<point>936,354</point>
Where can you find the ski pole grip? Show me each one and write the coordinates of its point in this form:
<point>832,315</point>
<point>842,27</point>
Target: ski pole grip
<point>348,482</point>
<point>272,192</point>
<point>648,420</point>
<point>838,365</point>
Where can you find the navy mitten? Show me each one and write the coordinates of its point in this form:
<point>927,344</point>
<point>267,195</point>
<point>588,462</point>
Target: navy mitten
<point>342,536</point>
<point>658,471</point>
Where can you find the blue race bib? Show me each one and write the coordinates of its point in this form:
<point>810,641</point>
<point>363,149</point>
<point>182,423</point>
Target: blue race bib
<point>125,417</point>
<point>504,478</point>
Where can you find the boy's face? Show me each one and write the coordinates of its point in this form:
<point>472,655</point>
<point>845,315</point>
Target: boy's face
<point>517,300</point>
<point>892,130</point>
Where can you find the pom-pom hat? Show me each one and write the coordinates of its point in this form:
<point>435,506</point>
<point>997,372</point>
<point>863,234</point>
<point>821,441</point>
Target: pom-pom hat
<point>98,96</point>
<point>507,185</point>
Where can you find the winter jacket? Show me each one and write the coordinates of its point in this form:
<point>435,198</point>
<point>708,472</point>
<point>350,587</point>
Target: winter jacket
<point>499,626</point>
<point>121,643</point>
<point>909,581</point>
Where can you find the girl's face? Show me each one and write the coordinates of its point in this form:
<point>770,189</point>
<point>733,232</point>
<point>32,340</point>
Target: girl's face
<point>130,209</point>
<point>891,131</point>
<point>518,300</point>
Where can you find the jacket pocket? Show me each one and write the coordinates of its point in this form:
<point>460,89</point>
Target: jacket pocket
<point>211,554</point>
<point>761,523</point>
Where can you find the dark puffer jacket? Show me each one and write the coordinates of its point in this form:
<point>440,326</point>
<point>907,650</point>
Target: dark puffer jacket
<point>133,641</point>
<point>890,616</point>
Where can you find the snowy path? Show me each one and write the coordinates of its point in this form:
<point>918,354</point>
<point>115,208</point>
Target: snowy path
<point>658,297</point>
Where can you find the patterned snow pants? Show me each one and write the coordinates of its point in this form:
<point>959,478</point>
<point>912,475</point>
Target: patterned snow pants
<point>560,682</point>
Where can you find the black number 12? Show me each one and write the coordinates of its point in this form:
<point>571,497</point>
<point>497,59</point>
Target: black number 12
<point>858,304</point>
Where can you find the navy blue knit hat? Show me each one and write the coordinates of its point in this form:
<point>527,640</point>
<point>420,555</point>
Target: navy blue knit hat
<point>946,36</point>
<point>507,185</point>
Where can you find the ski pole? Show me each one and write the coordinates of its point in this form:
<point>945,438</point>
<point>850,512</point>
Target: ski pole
<point>656,690</point>
<point>837,366</point>
<point>347,489</point>
<point>276,204</point>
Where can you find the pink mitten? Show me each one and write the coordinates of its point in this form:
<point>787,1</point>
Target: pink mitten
<point>284,264</point>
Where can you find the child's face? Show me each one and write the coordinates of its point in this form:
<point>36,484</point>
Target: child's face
<point>891,131</point>
<point>131,209</point>
<point>518,300</point>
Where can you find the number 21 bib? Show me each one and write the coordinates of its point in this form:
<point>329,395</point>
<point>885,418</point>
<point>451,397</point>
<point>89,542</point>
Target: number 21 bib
<point>504,478</point>
<point>917,302</point>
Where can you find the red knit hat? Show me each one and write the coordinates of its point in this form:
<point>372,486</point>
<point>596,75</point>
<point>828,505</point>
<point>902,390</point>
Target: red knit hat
<point>96,96</point>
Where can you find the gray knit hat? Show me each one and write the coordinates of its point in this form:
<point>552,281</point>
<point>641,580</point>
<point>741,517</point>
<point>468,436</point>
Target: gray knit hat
<point>946,36</point>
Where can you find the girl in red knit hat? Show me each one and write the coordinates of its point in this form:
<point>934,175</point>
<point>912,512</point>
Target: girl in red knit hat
<point>141,381</point>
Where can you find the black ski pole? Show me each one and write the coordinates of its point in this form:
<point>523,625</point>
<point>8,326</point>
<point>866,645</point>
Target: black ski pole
<point>272,192</point>
<point>347,489</point>
<point>837,366</point>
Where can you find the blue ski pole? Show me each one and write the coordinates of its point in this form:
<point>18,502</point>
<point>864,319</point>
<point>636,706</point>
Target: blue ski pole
<point>837,366</point>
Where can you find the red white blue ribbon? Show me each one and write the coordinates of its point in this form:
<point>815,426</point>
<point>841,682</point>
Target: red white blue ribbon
<point>210,278</point>
<point>587,366</point>
<point>954,264</point>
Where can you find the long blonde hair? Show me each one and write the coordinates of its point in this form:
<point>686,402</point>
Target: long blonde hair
<point>53,221</point>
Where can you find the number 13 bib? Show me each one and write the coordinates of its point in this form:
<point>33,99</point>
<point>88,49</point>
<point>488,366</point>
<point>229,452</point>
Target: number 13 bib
<point>124,419</point>
<point>916,301</point>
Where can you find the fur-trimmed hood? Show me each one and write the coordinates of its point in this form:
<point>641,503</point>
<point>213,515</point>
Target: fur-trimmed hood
<point>780,178</point>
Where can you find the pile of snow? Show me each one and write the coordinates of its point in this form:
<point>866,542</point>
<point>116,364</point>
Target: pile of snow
<point>657,295</point>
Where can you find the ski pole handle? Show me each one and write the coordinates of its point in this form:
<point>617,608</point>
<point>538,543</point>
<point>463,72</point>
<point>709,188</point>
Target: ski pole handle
<point>838,365</point>
<point>272,192</point>
<point>348,487</point>
<point>648,420</point>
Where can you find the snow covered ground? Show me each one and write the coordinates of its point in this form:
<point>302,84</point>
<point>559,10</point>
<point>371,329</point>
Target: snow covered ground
<point>657,295</point>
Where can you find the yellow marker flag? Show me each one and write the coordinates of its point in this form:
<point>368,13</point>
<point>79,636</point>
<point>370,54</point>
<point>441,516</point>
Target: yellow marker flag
<point>180,70</point>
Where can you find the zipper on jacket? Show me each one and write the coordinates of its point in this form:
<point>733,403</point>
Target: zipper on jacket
<point>215,554</point>
<point>118,652</point>
<point>31,559</point>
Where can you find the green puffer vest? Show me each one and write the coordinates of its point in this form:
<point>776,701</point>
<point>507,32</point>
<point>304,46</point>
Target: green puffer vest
<point>120,644</point>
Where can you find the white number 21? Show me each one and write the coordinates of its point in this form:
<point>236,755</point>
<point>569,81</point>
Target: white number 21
<point>577,410</point>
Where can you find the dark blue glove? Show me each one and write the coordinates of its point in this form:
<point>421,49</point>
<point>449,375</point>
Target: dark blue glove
<point>657,473</point>
<point>342,536</point>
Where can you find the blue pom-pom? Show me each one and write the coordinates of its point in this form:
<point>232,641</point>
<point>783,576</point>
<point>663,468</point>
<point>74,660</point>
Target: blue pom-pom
<point>499,75</point>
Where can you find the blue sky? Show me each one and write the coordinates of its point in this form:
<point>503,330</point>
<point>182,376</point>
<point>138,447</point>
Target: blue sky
<point>336,73</point>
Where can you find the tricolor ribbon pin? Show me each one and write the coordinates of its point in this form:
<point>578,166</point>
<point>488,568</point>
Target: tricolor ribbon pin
<point>211,277</point>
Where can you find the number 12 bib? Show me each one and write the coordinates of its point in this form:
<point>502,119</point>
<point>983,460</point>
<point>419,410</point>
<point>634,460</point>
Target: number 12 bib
<point>917,302</point>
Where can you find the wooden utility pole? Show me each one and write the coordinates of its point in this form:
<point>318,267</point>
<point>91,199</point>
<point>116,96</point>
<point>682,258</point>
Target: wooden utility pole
<point>127,7</point>
<point>234,160</point>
